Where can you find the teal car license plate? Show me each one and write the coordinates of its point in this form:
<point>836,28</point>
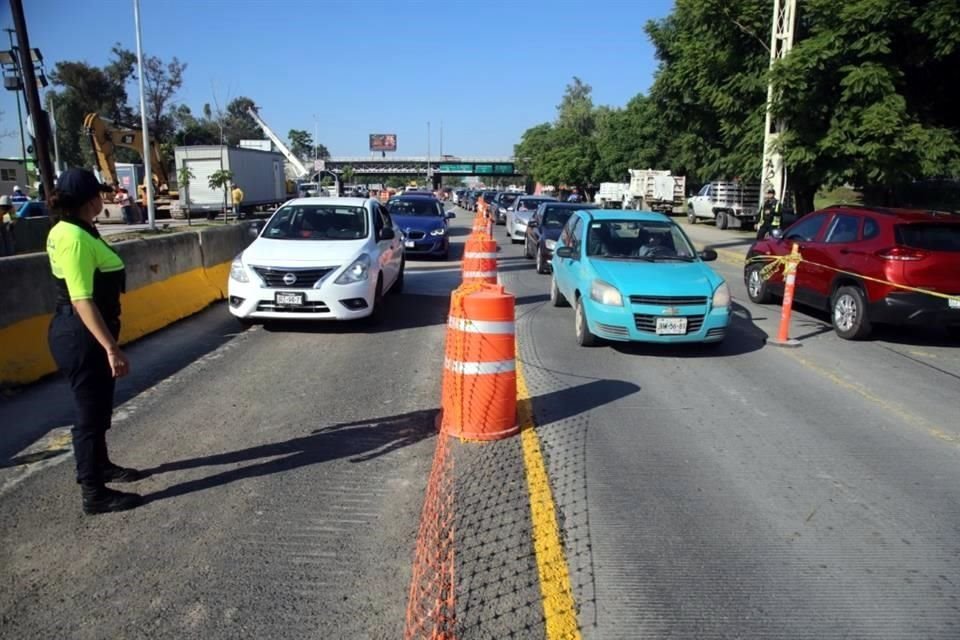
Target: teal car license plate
<point>671,326</point>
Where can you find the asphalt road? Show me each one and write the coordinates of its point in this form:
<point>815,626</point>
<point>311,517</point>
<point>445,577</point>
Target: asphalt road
<point>738,492</point>
<point>750,491</point>
<point>288,470</point>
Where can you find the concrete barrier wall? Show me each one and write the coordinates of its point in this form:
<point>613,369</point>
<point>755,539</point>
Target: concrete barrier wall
<point>168,278</point>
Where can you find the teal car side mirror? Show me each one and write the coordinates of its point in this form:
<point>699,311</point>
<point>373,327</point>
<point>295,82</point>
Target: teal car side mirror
<point>708,255</point>
<point>565,252</point>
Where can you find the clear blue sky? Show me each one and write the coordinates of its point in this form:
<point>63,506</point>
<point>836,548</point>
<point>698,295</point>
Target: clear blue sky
<point>488,70</point>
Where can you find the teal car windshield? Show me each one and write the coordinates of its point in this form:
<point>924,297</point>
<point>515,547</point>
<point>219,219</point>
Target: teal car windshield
<point>638,240</point>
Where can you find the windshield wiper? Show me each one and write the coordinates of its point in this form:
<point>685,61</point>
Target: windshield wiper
<point>680,258</point>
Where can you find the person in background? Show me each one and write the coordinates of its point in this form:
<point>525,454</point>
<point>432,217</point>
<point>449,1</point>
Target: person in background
<point>575,196</point>
<point>8,219</point>
<point>126,205</point>
<point>18,198</point>
<point>237,195</point>
<point>769,215</point>
<point>89,277</point>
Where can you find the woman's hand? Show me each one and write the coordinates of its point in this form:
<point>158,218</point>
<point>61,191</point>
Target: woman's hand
<point>119,364</point>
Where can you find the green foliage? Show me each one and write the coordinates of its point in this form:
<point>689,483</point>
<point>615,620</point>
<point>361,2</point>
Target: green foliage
<point>220,179</point>
<point>184,176</point>
<point>866,96</point>
<point>301,143</point>
<point>347,174</point>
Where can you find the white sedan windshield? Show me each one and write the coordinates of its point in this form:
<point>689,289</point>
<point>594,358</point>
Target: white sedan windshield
<point>318,222</point>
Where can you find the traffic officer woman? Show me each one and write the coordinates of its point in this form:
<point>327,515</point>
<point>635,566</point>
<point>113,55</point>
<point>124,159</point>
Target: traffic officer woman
<point>89,278</point>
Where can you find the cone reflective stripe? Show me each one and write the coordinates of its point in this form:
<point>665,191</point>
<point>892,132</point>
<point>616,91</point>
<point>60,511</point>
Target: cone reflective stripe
<point>479,377</point>
<point>480,259</point>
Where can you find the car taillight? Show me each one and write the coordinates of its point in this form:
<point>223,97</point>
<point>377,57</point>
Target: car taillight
<point>905,254</point>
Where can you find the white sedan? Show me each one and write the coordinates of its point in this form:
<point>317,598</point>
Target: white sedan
<point>523,210</point>
<point>319,259</point>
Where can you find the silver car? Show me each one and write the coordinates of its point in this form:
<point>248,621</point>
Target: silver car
<point>523,209</point>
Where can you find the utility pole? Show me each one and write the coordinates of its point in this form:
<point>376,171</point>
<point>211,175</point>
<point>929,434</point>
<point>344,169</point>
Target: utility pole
<point>441,141</point>
<point>41,127</point>
<point>773,172</point>
<point>428,151</point>
<point>151,214</point>
<point>53,121</point>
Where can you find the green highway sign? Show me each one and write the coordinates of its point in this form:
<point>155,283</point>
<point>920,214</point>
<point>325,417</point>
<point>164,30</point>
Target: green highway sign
<point>482,168</point>
<point>456,168</point>
<point>503,169</point>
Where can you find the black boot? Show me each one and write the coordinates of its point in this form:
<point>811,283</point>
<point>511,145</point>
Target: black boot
<point>100,499</point>
<point>116,473</point>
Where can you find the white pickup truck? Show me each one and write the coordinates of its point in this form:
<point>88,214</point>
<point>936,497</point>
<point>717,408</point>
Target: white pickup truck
<point>611,193</point>
<point>731,204</point>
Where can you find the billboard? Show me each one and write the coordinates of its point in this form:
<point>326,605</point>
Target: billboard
<point>383,142</point>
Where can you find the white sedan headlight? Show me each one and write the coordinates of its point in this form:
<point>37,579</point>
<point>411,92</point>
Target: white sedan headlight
<point>605,293</point>
<point>721,297</point>
<point>550,244</point>
<point>237,271</point>
<point>439,231</point>
<point>356,272</point>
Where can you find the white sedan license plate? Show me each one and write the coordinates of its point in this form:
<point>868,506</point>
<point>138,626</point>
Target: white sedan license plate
<point>954,303</point>
<point>288,299</point>
<point>409,244</point>
<point>671,326</point>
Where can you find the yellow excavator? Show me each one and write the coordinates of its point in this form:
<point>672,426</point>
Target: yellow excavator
<point>105,139</point>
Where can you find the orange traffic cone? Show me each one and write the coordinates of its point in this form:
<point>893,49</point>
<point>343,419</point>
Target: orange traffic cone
<point>480,259</point>
<point>480,380</point>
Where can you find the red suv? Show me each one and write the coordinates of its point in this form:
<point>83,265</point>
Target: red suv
<point>907,247</point>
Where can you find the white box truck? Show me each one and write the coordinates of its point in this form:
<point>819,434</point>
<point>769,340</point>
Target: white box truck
<point>259,174</point>
<point>655,190</point>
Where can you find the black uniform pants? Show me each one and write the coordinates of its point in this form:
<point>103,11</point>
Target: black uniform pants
<point>84,363</point>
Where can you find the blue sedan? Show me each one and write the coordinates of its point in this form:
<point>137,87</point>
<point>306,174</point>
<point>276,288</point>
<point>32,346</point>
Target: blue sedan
<point>635,276</point>
<point>423,223</point>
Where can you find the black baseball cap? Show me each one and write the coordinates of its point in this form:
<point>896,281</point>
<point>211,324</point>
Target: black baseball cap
<point>80,184</point>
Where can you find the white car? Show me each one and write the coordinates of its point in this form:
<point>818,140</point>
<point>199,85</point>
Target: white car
<point>523,210</point>
<point>319,259</point>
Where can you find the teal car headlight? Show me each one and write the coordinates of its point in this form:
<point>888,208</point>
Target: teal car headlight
<point>605,293</point>
<point>721,297</point>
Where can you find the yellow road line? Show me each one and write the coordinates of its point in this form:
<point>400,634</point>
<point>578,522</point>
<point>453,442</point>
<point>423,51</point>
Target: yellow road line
<point>908,418</point>
<point>556,591</point>
<point>731,257</point>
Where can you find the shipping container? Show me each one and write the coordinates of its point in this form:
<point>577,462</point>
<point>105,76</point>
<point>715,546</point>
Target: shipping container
<point>259,174</point>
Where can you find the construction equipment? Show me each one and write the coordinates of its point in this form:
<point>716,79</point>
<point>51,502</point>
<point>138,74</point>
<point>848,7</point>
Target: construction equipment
<point>298,166</point>
<point>105,140</point>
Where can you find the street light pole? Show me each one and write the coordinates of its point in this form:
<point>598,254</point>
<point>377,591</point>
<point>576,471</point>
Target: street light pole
<point>56,145</point>
<point>151,214</point>
<point>428,152</point>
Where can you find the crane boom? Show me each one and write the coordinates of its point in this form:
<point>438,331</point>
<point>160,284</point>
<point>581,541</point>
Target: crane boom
<point>275,139</point>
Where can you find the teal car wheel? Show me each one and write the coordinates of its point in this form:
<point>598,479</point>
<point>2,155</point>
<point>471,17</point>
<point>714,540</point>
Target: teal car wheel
<point>584,337</point>
<point>556,298</point>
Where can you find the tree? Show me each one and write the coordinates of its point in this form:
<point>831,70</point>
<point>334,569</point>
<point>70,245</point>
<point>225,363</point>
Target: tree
<point>301,144</point>
<point>322,152</point>
<point>221,180</point>
<point>184,176</point>
<point>575,110</point>
<point>161,83</point>
<point>865,96</point>
<point>80,89</point>
<point>237,123</point>
<point>347,174</point>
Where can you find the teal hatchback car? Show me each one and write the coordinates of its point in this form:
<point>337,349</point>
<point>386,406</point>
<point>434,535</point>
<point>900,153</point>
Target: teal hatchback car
<point>635,276</point>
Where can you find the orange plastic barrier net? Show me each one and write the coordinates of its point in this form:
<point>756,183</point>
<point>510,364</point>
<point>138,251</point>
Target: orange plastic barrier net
<point>431,612</point>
